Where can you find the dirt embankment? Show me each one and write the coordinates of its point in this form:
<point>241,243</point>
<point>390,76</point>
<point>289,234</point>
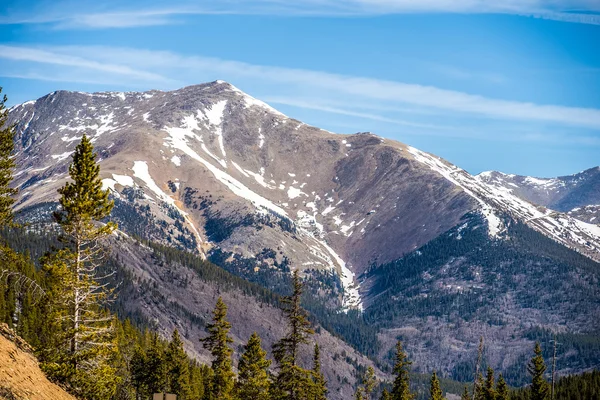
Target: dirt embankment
<point>20,375</point>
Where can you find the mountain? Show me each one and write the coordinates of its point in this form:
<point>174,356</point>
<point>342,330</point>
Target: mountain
<point>578,194</point>
<point>215,169</point>
<point>22,377</point>
<point>417,244</point>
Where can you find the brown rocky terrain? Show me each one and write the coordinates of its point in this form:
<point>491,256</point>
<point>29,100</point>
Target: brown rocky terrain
<point>20,374</point>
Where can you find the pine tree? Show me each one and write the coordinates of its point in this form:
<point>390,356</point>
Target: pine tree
<point>253,379</point>
<point>501,389</point>
<point>401,386</point>
<point>7,164</point>
<point>385,395</point>
<point>155,376</point>
<point>139,373</point>
<point>178,373</point>
<point>489,393</point>
<point>197,380</point>
<point>479,389</point>
<point>435,392</point>
<point>82,288</point>
<point>293,381</point>
<point>319,386</point>
<point>537,368</point>
<point>369,382</point>
<point>465,394</point>
<point>218,343</point>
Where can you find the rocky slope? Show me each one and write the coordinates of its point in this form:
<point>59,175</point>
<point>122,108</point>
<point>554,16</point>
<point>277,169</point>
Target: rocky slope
<point>578,194</point>
<point>20,374</point>
<point>211,169</point>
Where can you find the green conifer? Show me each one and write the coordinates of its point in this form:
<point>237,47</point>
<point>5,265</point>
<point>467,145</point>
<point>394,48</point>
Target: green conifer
<point>369,382</point>
<point>502,389</point>
<point>178,373</point>
<point>537,368</point>
<point>155,376</point>
<point>293,381</point>
<point>465,394</point>
<point>401,386</point>
<point>479,388</point>
<point>218,343</point>
<point>79,294</point>
<point>253,378</point>
<point>435,392</point>
<point>319,386</point>
<point>489,392</point>
<point>385,395</point>
<point>7,164</point>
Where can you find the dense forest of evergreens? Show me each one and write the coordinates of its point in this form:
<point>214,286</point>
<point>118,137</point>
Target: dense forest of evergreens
<point>56,293</point>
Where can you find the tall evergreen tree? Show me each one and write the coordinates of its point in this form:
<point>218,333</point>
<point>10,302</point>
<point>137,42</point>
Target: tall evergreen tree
<point>218,343</point>
<point>369,382</point>
<point>139,373</point>
<point>155,377</point>
<point>401,386</point>
<point>293,381</point>
<point>537,368</point>
<point>7,164</point>
<point>178,372</point>
<point>435,392</point>
<point>82,289</point>
<point>489,392</point>
<point>319,386</point>
<point>502,389</point>
<point>253,378</point>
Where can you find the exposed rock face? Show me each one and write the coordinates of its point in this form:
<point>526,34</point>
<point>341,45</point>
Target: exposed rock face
<point>208,167</point>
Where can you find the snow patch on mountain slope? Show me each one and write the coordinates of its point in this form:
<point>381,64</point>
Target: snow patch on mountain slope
<point>178,139</point>
<point>122,180</point>
<point>309,226</point>
<point>250,101</point>
<point>351,290</point>
<point>561,227</point>
<point>215,118</point>
<point>495,225</point>
<point>141,171</point>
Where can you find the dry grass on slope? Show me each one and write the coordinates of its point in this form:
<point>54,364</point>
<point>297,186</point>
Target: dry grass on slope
<point>20,374</point>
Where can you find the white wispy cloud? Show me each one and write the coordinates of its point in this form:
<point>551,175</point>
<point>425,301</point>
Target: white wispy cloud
<point>154,67</point>
<point>91,15</point>
<point>40,56</point>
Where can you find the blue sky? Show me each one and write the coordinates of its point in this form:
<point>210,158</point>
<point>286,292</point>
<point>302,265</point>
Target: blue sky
<point>506,85</point>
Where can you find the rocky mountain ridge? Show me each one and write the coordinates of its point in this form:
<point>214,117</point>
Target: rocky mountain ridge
<point>577,194</point>
<point>214,168</point>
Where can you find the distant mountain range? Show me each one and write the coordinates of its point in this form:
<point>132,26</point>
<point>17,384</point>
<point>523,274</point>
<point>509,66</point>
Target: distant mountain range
<point>425,250</point>
<point>578,194</point>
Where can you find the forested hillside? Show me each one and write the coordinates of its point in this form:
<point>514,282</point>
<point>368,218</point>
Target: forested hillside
<point>517,286</point>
